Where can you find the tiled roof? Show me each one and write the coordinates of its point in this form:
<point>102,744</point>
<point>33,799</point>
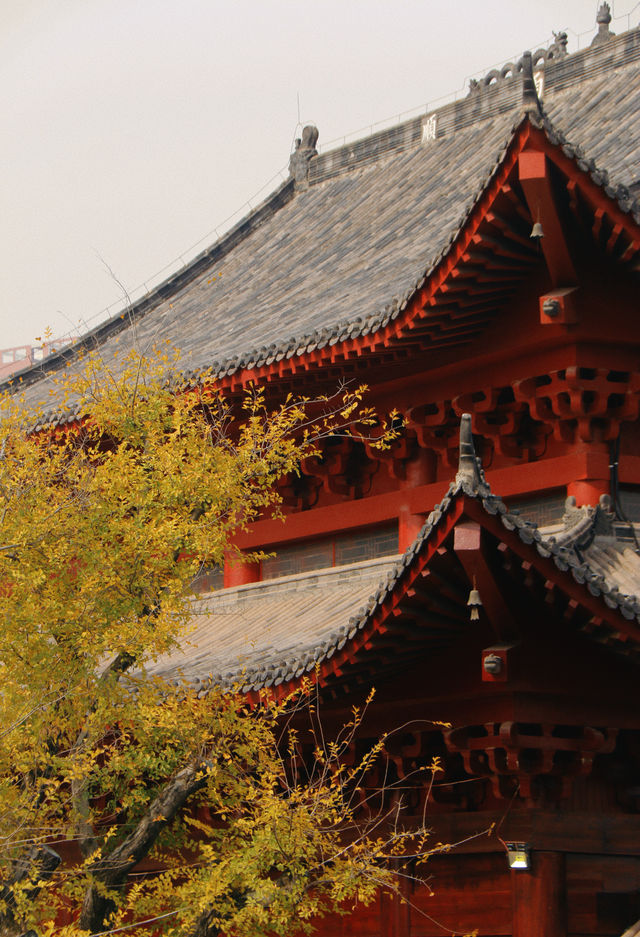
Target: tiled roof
<point>266,634</point>
<point>333,261</point>
<point>340,257</point>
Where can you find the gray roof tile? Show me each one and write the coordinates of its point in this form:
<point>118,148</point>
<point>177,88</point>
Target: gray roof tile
<point>265,631</point>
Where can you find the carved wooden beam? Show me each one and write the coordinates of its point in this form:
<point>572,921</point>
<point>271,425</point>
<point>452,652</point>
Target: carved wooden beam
<point>536,184</point>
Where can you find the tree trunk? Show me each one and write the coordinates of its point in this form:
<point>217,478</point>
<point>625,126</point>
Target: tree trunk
<point>38,864</point>
<point>95,908</point>
<point>203,927</point>
<point>112,869</point>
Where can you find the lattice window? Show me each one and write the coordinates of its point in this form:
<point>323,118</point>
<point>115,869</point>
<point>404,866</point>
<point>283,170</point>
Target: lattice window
<point>352,547</point>
<point>298,558</point>
<point>544,511</point>
<point>366,545</point>
<point>208,580</point>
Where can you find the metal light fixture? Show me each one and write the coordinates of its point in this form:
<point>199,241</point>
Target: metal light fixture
<point>536,231</point>
<point>519,856</point>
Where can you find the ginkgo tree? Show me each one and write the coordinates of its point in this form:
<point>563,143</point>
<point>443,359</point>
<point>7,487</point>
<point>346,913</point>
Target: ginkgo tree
<point>127,803</point>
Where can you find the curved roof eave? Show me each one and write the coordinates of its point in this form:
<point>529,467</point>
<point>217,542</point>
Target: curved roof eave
<point>337,342</point>
<point>574,576</point>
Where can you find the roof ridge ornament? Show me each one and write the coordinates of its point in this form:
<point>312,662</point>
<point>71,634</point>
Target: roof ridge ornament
<point>302,155</point>
<point>470,475</point>
<point>510,70</point>
<point>603,19</point>
<point>530,100</point>
<point>582,524</point>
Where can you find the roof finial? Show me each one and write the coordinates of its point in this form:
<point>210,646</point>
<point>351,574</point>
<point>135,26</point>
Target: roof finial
<point>603,19</point>
<point>305,150</point>
<point>530,100</point>
<point>470,476</point>
<point>558,48</point>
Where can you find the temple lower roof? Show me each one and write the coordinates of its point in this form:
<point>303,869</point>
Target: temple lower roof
<point>269,634</point>
<point>266,631</point>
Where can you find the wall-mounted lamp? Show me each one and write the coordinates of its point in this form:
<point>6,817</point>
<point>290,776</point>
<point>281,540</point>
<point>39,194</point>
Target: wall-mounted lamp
<point>519,856</point>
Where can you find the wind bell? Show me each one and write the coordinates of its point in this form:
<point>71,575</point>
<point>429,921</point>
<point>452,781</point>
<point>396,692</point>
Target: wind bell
<point>474,602</point>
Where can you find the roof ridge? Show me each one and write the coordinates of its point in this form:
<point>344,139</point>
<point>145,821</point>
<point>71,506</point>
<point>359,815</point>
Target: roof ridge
<point>496,93</point>
<point>358,570</point>
<point>287,348</point>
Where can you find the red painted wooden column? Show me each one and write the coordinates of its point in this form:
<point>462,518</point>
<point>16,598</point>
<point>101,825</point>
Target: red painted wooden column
<point>409,526</point>
<point>395,911</point>
<point>588,490</point>
<point>237,573</point>
<point>595,481</point>
<point>538,895</point>
<point>421,470</point>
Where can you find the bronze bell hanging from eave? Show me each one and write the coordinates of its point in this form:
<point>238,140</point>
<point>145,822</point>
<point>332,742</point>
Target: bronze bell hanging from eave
<point>474,602</point>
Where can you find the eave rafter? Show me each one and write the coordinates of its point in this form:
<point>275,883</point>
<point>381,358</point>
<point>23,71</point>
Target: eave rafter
<point>598,627</point>
<point>534,174</point>
<point>596,209</point>
<point>549,577</point>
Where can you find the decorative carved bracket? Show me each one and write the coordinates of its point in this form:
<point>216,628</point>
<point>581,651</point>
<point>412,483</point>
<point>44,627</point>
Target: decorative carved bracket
<point>527,757</point>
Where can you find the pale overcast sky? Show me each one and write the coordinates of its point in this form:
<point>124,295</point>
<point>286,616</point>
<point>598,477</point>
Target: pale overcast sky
<point>134,128</point>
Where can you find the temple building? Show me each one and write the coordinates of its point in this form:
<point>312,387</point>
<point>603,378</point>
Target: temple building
<point>478,267</point>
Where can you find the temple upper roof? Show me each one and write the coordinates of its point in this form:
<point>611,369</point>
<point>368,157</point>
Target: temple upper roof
<point>339,248</point>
